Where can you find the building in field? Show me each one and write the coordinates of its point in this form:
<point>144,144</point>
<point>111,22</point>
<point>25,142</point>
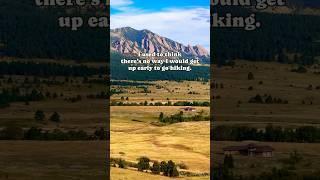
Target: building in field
<point>249,150</point>
<point>188,109</point>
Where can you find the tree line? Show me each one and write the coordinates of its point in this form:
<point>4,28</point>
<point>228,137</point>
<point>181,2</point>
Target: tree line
<point>179,117</point>
<point>8,96</point>
<point>281,34</point>
<point>35,133</point>
<point>304,134</point>
<point>120,72</point>
<point>28,31</point>
<point>169,103</point>
<point>165,168</point>
<point>48,69</point>
<point>225,170</point>
<point>267,99</point>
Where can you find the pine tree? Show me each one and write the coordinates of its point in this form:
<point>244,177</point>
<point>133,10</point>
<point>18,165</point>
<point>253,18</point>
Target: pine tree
<point>250,76</point>
<point>39,115</point>
<point>143,163</point>
<point>155,168</point>
<point>55,117</point>
<point>161,116</point>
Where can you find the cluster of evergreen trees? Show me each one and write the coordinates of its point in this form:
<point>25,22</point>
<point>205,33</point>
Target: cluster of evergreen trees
<point>8,96</point>
<point>226,171</point>
<point>169,103</point>
<point>281,34</point>
<point>40,116</point>
<point>168,168</point>
<point>48,69</point>
<point>304,134</point>
<point>194,103</point>
<point>223,173</point>
<point>29,31</point>
<point>179,117</point>
<point>267,99</point>
<point>130,83</point>
<point>35,133</point>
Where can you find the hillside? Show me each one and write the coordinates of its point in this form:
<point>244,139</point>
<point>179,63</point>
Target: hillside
<point>28,31</point>
<point>283,37</point>
<point>129,41</point>
<point>120,72</point>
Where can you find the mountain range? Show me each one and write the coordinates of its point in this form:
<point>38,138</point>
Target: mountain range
<point>129,41</point>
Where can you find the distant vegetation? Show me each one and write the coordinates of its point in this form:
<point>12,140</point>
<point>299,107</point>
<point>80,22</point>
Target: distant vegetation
<point>120,72</point>
<point>179,117</point>
<point>130,83</point>
<point>8,96</point>
<point>169,103</point>
<point>164,168</point>
<point>304,134</point>
<point>267,99</point>
<point>35,133</point>
<point>226,170</point>
<point>281,35</point>
<point>28,31</point>
<point>48,69</point>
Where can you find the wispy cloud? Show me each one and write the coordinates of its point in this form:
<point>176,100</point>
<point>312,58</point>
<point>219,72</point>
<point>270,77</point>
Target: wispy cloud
<point>185,25</point>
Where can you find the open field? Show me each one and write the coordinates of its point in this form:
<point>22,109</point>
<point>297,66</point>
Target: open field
<point>134,134</point>
<point>163,90</point>
<point>121,174</point>
<point>244,165</point>
<point>86,114</point>
<point>273,79</point>
<point>232,108</point>
<point>38,160</point>
<point>182,142</point>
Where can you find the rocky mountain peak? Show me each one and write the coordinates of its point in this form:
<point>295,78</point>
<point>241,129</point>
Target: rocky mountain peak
<point>129,41</point>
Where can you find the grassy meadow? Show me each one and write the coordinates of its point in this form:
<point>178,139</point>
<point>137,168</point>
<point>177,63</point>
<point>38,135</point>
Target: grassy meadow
<point>40,159</point>
<point>272,79</point>
<point>247,166</point>
<point>134,132</point>
<point>232,108</point>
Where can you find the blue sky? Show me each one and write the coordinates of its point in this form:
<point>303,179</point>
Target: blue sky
<point>149,5</point>
<point>185,21</point>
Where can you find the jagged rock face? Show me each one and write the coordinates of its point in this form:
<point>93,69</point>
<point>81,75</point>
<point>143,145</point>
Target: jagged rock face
<point>130,41</point>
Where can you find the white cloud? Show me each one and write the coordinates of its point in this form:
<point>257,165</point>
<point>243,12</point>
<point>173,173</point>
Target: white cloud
<point>187,26</point>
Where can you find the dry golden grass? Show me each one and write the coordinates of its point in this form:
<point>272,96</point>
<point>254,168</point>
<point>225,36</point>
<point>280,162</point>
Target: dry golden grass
<point>183,142</point>
<point>244,165</point>
<point>187,142</point>
<point>124,174</point>
<point>86,114</point>
<point>278,81</point>
<point>38,160</point>
<point>133,135</point>
<point>174,91</point>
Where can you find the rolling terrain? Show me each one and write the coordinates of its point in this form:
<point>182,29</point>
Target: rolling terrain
<point>135,131</point>
<point>298,108</point>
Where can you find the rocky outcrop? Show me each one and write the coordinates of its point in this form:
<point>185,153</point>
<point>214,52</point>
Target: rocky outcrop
<point>131,41</point>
